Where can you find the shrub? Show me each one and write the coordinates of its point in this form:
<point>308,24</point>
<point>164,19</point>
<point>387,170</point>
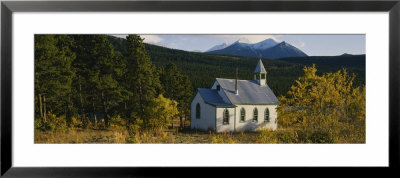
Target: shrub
<point>117,123</point>
<point>120,137</point>
<point>161,112</point>
<point>267,136</point>
<point>55,123</point>
<point>39,124</point>
<point>217,139</point>
<point>222,138</point>
<point>100,125</point>
<point>318,135</point>
<point>317,104</point>
<point>86,123</point>
<point>278,136</point>
<point>287,136</point>
<point>76,123</point>
<point>133,139</point>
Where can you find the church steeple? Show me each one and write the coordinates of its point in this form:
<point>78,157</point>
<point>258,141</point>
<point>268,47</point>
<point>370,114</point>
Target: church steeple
<point>260,74</point>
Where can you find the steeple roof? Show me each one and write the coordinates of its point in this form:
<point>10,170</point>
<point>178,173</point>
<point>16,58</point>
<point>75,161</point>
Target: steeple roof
<point>260,68</point>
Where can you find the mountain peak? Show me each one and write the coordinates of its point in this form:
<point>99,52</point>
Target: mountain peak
<point>218,47</point>
<point>268,48</point>
<point>243,40</point>
<point>269,40</point>
<point>268,43</point>
<point>346,54</point>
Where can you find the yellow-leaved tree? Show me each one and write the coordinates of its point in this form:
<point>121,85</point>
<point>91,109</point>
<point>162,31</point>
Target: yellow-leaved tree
<point>162,112</point>
<point>326,108</point>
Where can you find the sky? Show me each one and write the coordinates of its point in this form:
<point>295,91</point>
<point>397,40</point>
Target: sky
<point>312,45</point>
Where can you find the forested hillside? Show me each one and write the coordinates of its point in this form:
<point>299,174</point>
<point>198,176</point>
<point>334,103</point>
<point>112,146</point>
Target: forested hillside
<point>202,68</point>
<point>81,79</point>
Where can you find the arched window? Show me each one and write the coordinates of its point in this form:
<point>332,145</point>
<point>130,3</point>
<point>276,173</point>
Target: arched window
<point>226,117</point>
<point>255,115</point>
<point>266,116</point>
<point>242,115</point>
<point>198,111</point>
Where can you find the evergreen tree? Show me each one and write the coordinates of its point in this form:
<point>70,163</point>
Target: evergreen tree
<point>177,87</point>
<point>142,79</point>
<point>99,71</point>
<point>53,74</point>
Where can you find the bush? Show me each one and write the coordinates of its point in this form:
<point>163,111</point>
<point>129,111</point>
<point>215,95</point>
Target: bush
<point>317,105</point>
<point>161,113</point>
<point>100,125</point>
<point>117,123</point>
<point>266,136</point>
<point>86,123</point>
<point>133,139</point>
<point>278,136</point>
<point>297,135</point>
<point>287,136</point>
<point>39,124</point>
<point>54,123</point>
<point>222,138</point>
<point>120,137</point>
<point>319,135</point>
<point>76,123</point>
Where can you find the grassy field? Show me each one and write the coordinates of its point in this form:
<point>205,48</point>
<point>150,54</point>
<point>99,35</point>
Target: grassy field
<point>108,136</point>
<point>174,136</point>
<point>348,133</point>
<point>169,136</point>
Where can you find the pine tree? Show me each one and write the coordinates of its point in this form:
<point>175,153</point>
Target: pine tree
<point>99,70</point>
<point>142,79</point>
<point>177,87</point>
<point>53,74</point>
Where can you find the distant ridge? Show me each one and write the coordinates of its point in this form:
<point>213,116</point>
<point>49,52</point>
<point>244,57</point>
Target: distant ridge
<point>282,50</point>
<point>218,47</point>
<point>268,48</point>
<point>346,54</point>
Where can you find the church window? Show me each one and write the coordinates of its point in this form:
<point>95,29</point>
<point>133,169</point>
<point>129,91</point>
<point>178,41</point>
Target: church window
<point>198,111</point>
<point>266,117</point>
<point>226,117</point>
<point>262,76</point>
<point>242,115</point>
<point>218,87</point>
<point>255,115</point>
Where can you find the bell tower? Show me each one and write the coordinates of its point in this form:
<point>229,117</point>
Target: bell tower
<point>260,74</point>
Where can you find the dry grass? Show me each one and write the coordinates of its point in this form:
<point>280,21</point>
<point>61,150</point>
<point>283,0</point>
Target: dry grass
<point>81,136</point>
<point>188,136</point>
<point>113,136</point>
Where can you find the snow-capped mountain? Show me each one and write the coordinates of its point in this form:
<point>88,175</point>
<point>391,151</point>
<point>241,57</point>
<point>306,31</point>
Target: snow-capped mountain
<point>244,40</point>
<point>264,44</point>
<point>218,47</point>
<point>268,48</point>
<point>237,48</point>
<point>281,50</point>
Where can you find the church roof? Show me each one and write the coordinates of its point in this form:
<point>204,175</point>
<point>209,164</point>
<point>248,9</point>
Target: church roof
<point>260,68</point>
<point>211,96</point>
<point>249,92</point>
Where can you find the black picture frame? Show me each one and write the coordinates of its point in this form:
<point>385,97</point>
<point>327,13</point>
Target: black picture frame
<point>8,7</point>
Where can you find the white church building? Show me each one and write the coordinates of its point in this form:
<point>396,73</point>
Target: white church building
<point>232,105</point>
